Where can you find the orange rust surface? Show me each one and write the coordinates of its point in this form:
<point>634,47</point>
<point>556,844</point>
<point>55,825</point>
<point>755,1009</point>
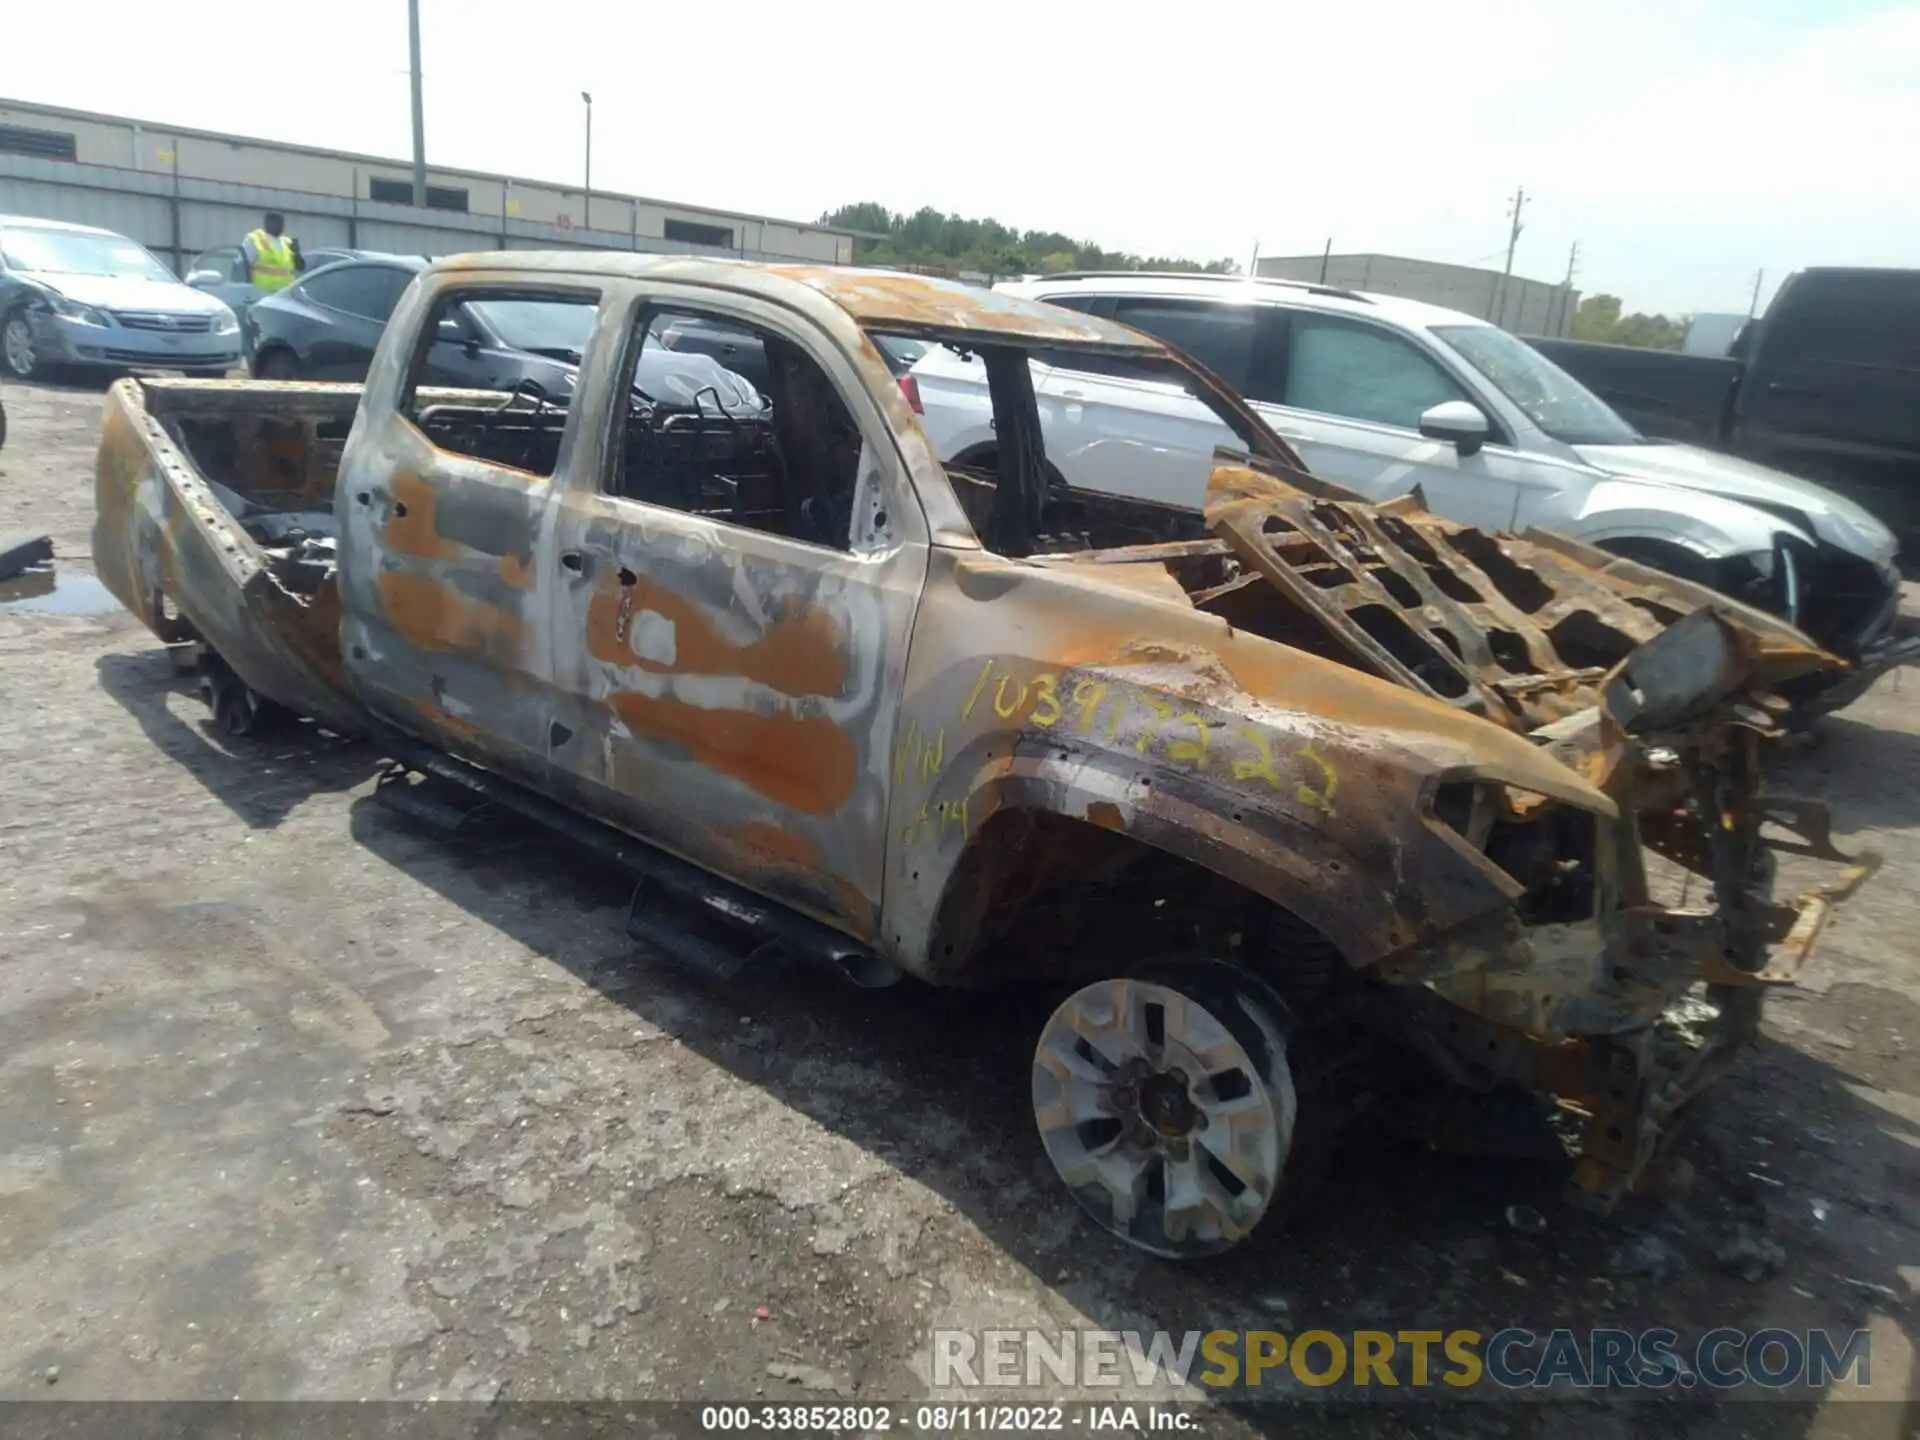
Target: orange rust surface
<point>881,298</point>
<point>443,720</point>
<point>517,572</point>
<point>426,613</point>
<point>805,761</point>
<point>801,653</point>
<point>1106,815</point>
<point>415,532</point>
<point>771,843</point>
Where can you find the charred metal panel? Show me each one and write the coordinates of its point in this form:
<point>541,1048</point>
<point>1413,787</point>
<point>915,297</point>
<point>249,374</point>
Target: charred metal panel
<point>1059,688</point>
<point>733,693</point>
<point>165,546</point>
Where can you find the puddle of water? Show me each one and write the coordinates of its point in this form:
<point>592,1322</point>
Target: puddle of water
<point>56,592</point>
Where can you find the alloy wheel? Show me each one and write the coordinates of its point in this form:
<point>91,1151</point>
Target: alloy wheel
<point>1167,1106</point>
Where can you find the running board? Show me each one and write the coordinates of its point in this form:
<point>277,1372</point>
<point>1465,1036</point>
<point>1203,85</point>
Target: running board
<point>711,924</point>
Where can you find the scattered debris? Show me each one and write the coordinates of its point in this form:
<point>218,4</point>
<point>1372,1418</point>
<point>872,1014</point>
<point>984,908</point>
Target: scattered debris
<point>1885,1292</point>
<point>809,1377</point>
<point>18,552</point>
<point>1526,1219</point>
<point>1646,1255</point>
<point>1750,1255</point>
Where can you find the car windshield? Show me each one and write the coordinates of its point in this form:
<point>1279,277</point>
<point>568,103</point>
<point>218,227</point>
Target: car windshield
<point>1551,398</point>
<point>74,252</point>
<point>546,327</point>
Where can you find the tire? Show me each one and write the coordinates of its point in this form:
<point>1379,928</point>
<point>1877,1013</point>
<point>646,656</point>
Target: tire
<point>3,425</point>
<point>276,364</point>
<point>239,711</point>
<point>1172,1084</point>
<point>18,353</point>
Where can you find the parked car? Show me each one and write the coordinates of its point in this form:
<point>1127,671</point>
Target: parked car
<point>327,326</point>
<point>222,272</point>
<point>1383,394</point>
<point>74,295</point>
<point>743,354</point>
<point>838,704</point>
<point>1826,384</point>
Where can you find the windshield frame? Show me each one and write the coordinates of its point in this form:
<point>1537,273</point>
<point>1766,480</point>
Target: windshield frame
<point>1538,411</point>
<point>101,240</point>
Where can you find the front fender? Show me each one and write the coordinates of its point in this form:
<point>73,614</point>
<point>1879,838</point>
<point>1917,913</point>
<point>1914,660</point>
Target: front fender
<point>1342,842</point>
<point>1709,525</point>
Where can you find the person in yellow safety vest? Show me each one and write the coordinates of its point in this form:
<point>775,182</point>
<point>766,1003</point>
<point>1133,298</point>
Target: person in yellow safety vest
<point>272,258</point>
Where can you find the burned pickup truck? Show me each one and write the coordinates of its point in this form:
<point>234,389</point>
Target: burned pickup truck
<point>1290,802</point>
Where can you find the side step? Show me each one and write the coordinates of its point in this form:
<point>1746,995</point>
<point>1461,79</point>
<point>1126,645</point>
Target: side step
<point>429,800</point>
<point>711,924</point>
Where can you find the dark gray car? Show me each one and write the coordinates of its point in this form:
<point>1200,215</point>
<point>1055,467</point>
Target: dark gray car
<point>327,325</point>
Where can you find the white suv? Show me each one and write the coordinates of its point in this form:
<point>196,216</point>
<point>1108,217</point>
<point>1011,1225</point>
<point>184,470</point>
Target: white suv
<point>1381,394</point>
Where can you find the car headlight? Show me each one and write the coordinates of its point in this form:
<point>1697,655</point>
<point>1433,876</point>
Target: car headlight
<point>225,322</point>
<point>74,310</point>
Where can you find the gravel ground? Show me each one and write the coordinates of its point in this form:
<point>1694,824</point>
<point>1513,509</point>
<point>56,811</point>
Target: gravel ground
<point>304,1103</point>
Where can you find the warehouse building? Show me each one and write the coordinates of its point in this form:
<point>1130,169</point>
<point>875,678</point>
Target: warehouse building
<point>1526,307</point>
<point>69,164</point>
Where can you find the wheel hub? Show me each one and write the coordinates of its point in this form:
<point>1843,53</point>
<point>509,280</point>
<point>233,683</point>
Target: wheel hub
<point>1169,1115</point>
<point>19,346</point>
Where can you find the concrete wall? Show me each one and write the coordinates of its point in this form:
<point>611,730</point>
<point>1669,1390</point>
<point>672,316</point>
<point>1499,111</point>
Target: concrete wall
<point>1526,307</point>
<point>241,164</point>
<point>176,218</point>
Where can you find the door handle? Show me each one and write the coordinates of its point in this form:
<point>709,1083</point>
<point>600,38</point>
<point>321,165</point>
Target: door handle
<point>1775,387</point>
<point>574,561</point>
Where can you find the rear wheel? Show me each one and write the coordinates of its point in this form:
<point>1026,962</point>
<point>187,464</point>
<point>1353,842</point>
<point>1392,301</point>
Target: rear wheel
<point>18,349</point>
<point>1167,1104</point>
<point>276,365</point>
<point>239,711</point>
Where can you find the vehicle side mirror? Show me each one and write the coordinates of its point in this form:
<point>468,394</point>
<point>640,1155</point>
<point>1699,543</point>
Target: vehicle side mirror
<point>205,279</point>
<point>452,332</point>
<point>1460,421</point>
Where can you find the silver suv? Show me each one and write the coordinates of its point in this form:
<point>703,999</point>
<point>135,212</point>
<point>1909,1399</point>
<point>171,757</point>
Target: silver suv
<point>1381,394</point>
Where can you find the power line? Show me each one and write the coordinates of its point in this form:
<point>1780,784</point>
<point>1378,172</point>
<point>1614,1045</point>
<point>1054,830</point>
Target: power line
<point>1513,241</point>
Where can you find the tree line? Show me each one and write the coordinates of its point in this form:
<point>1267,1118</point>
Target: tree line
<point>929,239</point>
<point>1598,318</point>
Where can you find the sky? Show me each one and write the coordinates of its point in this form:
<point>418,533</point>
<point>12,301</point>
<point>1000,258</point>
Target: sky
<point>1686,145</point>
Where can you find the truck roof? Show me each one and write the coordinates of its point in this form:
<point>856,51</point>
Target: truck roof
<point>889,301</point>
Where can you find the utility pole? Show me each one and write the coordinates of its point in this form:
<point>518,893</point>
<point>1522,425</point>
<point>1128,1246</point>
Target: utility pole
<point>1753,305</point>
<point>1566,289</point>
<point>586,218</point>
<point>419,109</point>
<point>1513,240</point>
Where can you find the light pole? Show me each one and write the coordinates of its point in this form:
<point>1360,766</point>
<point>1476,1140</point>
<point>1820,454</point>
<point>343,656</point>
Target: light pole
<point>419,110</point>
<point>586,220</point>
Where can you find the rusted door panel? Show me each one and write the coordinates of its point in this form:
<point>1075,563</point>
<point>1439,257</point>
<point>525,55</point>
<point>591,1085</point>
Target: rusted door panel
<point>732,695</point>
<point>447,591</point>
<point>446,596</point>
